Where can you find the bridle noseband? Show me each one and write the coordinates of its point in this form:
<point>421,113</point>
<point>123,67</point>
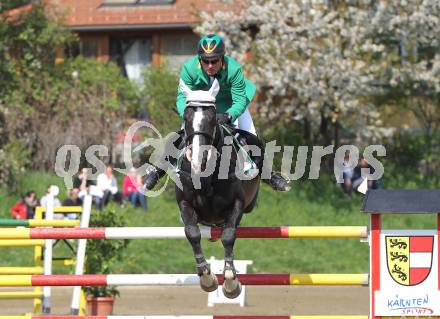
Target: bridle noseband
<point>207,135</point>
<point>203,105</point>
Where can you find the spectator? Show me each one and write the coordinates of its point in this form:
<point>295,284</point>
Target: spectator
<point>131,188</point>
<point>107,183</point>
<point>357,178</point>
<point>82,183</point>
<point>31,202</point>
<point>56,203</point>
<point>347,174</point>
<point>72,200</point>
<point>18,210</point>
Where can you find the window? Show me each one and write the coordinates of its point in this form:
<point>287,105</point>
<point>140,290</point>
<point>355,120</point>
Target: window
<point>133,56</point>
<point>135,2</point>
<point>154,1</point>
<point>88,47</point>
<point>178,48</point>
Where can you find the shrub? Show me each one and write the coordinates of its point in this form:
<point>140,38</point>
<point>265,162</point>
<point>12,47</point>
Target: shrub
<point>83,100</point>
<point>160,93</point>
<point>14,158</point>
<point>103,253</point>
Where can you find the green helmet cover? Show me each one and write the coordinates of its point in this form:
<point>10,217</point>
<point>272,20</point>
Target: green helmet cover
<point>210,45</point>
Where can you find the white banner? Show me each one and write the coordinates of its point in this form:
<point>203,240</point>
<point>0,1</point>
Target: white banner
<point>409,282</point>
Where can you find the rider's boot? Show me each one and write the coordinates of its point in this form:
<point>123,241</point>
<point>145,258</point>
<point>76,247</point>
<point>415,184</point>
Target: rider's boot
<point>276,180</point>
<point>153,173</point>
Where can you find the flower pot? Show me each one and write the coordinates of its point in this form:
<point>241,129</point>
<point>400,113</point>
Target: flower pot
<point>100,306</point>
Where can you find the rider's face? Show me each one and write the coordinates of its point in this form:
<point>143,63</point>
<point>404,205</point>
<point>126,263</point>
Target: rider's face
<point>211,65</point>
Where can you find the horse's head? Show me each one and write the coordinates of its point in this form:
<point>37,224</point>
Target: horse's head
<point>200,124</point>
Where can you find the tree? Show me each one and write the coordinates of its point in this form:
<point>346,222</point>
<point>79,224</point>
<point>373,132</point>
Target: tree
<point>322,63</point>
<point>160,89</point>
<point>403,41</point>
<point>49,104</point>
<point>302,58</point>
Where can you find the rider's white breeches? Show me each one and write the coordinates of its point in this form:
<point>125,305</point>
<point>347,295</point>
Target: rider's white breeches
<point>245,123</point>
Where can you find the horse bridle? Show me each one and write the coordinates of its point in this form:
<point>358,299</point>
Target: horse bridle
<point>207,135</point>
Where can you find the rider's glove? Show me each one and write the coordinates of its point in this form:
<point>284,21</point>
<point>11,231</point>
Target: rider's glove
<point>224,118</point>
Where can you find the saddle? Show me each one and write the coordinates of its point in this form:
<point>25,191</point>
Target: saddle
<point>252,164</point>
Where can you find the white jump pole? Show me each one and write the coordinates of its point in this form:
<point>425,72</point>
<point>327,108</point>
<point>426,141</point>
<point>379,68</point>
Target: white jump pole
<point>80,255</point>
<point>54,190</point>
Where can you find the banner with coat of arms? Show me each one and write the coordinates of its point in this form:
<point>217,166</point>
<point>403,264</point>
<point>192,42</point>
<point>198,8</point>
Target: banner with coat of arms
<point>409,258</point>
<point>409,284</point>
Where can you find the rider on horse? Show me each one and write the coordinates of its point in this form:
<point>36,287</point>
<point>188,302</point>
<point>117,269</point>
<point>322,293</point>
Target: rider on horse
<point>236,92</point>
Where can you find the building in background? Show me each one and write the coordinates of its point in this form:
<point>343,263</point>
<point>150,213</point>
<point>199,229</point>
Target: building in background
<point>137,33</point>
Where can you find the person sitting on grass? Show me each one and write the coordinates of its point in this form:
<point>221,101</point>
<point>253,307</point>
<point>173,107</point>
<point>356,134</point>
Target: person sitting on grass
<point>131,188</point>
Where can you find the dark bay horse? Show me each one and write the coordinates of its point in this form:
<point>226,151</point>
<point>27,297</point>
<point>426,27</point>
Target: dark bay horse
<point>219,198</point>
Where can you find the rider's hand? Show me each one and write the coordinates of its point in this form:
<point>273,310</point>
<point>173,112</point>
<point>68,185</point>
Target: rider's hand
<point>224,118</point>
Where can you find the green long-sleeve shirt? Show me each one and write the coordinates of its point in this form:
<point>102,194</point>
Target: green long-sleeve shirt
<point>235,93</point>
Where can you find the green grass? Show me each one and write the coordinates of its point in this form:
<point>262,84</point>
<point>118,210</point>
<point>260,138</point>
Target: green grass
<point>309,203</point>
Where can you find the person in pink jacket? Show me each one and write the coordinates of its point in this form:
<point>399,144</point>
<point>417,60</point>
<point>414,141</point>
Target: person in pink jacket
<point>131,188</point>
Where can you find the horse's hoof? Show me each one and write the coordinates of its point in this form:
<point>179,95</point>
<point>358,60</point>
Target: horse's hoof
<point>208,282</point>
<point>231,287</point>
<point>234,293</point>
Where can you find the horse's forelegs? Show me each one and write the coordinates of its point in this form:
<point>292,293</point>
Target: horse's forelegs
<point>208,281</point>
<point>231,286</point>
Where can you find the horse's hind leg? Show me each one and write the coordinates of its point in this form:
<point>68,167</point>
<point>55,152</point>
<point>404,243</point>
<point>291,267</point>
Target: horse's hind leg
<point>208,281</point>
<point>231,286</point>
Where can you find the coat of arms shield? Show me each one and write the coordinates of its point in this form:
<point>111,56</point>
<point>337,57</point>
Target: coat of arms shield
<point>409,258</point>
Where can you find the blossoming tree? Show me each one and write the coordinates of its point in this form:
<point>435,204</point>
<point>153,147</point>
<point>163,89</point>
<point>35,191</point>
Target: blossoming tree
<point>321,63</point>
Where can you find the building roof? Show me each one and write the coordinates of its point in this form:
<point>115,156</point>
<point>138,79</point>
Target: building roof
<point>15,13</point>
<point>137,14</point>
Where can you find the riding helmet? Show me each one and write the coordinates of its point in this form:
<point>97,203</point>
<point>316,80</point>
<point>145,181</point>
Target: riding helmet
<point>211,46</point>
